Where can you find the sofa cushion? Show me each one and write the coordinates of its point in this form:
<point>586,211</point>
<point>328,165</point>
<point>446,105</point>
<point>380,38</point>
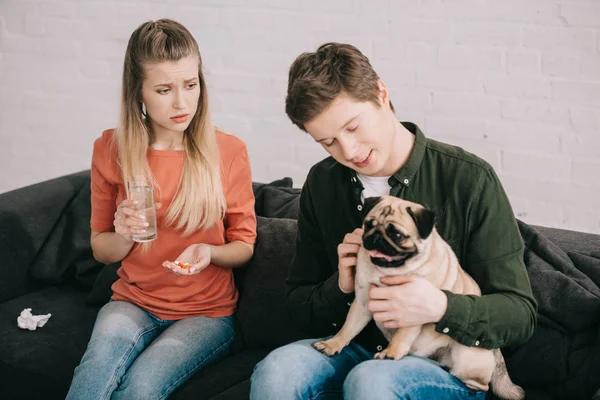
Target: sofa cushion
<point>239,391</point>
<point>563,354</point>
<point>281,202</point>
<point>101,290</point>
<point>220,377</point>
<point>263,320</point>
<point>259,190</point>
<point>67,249</point>
<point>48,355</point>
<point>32,225</point>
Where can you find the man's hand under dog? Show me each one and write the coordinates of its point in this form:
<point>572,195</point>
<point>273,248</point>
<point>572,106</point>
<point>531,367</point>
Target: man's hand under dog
<point>408,300</point>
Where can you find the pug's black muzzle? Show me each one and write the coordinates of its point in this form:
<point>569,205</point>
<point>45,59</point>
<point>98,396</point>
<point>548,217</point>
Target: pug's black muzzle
<point>391,256</point>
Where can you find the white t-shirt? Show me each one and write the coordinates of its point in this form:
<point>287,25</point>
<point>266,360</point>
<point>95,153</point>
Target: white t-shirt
<point>374,186</point>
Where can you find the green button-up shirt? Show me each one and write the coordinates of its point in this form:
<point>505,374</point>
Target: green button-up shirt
<point>474,217</point>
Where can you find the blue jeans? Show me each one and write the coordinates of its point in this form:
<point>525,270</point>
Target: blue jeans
<point>298,371</point>
<point>134,355</point>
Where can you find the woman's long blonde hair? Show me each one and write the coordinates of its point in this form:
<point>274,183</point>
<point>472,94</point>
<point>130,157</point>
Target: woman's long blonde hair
<point>199,201</point>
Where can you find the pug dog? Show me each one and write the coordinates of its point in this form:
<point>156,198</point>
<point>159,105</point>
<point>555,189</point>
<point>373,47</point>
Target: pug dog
<point>400,239</point>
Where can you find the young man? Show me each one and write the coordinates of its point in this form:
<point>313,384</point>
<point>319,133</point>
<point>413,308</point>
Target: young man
<point>335,95</point>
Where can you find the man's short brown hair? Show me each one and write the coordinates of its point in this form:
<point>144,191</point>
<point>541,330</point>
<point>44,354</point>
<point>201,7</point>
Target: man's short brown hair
<point>316,78</point>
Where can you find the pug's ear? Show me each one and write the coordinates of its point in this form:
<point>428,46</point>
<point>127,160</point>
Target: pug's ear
<point>424,220</point>
<point>370,202</point>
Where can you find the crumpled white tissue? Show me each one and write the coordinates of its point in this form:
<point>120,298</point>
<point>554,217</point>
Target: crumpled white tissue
<point>31,322</point>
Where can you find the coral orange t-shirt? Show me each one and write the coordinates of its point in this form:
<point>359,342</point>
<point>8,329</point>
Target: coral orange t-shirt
<point>142,278</point>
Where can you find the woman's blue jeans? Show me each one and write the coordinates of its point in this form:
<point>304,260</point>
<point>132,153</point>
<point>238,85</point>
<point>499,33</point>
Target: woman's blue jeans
<point>134,355</point>
<point>298,371</point>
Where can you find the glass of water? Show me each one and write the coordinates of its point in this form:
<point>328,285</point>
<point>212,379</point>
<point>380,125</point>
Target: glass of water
<point>142,191</point>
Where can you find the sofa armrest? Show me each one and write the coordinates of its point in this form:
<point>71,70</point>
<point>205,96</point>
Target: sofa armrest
<point>569,240</point>
<point>28,216</point>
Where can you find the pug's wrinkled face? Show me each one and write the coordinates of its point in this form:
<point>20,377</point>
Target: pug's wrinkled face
<point>395,230</point>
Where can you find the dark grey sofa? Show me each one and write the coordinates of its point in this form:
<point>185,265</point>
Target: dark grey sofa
<point>46,264</point>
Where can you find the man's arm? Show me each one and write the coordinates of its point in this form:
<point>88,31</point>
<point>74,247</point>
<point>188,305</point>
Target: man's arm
<point>314,299</point>
<point>505,314</point>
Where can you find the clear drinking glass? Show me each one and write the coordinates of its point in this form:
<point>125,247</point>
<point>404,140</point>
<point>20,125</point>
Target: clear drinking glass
<point>142,191</point>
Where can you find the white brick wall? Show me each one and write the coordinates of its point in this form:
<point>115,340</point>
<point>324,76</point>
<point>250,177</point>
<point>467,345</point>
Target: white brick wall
<point>516,82</point>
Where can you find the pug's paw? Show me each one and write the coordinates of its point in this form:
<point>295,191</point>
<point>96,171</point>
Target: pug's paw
<point>392,353</point>
<point>329,347</point>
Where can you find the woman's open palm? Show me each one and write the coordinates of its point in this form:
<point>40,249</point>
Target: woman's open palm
<point>197,256</point>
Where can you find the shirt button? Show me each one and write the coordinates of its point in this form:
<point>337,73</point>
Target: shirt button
<point>379,348</point>
<point>446,330</point>
<point>334,324</point>
<point>477,343</point>
<point>406,181</point>
<point>359,207</point>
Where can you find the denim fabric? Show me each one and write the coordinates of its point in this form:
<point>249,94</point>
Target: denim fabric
<point>298,371</point>
<point>134,355</point>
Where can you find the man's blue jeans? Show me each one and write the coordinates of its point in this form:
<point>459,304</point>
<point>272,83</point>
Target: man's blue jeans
<point>134,355</point>
<point>298,371</point>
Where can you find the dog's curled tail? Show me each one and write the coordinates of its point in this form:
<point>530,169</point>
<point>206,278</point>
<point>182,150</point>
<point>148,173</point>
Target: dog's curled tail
<point>502,385</point>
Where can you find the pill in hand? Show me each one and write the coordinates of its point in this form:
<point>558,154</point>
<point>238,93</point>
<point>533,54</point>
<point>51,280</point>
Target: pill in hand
<point>182,265</point>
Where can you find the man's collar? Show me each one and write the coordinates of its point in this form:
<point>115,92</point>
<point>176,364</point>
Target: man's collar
<point>407,172</point>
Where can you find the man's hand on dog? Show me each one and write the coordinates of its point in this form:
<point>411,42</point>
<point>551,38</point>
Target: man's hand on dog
<point>408,300</point>
<point>347,251</point>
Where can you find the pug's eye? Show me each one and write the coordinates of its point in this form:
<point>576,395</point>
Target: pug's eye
<point>370,224</point>
<point>394,234</point>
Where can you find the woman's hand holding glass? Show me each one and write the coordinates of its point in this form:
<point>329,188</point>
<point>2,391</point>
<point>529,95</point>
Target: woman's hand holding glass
<point>128,221</point>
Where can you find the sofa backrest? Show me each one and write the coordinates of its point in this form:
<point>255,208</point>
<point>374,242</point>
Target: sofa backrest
<point>44,238</point>
<point>262,317</point>
<point>44,233</point>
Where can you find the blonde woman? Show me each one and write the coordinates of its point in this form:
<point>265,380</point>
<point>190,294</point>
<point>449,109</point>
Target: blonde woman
<point>165,322</point>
